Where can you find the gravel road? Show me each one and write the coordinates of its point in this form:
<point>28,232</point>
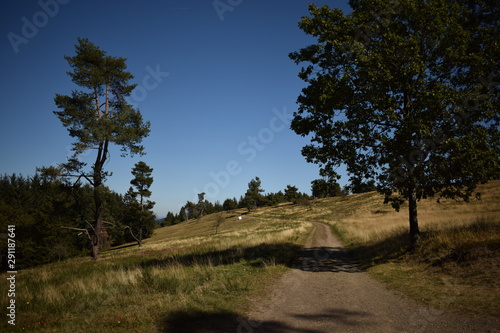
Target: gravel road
<point>327,293</point>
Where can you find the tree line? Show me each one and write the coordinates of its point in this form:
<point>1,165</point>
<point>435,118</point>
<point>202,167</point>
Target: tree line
<point>52,215</point>
<point>254,198</point>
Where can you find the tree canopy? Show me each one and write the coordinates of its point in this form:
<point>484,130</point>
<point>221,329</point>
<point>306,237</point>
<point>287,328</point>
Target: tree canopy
<point>404,93</point>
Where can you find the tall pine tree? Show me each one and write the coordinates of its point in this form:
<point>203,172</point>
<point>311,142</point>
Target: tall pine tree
<point>97,116</point>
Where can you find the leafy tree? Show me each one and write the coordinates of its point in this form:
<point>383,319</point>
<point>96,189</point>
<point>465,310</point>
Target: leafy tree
<point>404,93</point>
<point>141,220</point>
<point>323,188</point>
<point>170,219</point>
<point>96,117</point>
<point>219,219</point>
<point>275,198</point>
<point>230,204</point>
<point>188,211</point>
<point>216,207</point>
<point>358,186</point>
<point>292,193</point>
<point>200,206</point>
<point>182,214</point>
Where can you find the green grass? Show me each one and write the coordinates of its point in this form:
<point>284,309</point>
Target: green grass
<point>187,278</point>
<point>183,271</point>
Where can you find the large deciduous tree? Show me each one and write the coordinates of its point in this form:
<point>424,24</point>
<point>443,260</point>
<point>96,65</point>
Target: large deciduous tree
<point>97,116</point>
<point>404,93</point>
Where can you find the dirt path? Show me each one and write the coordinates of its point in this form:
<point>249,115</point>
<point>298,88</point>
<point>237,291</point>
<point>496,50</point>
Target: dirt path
<point>327,293</point>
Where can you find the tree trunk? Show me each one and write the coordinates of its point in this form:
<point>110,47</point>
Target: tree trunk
<point>98,180</point>
<point>140,237</point>
<point>137,238</point>
<point>96,243</point>
<point>414,231</point>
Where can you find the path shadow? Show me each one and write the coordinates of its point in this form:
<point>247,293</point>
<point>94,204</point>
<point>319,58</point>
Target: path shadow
<point>326,259</point>
<point>191,321</point>
<point>339,316</point>
<point>196,321</point>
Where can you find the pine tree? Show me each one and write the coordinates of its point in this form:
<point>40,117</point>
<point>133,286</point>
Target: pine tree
<point>96,117</point>
<point>141,219</point>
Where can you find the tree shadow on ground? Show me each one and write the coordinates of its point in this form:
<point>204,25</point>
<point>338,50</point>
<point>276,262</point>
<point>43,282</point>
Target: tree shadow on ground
<point>339,316</point>
<point>257,256</point>
<point>388,249</point>
<point>326,259</point>
<point>192,321</point>
<point>196,321</point>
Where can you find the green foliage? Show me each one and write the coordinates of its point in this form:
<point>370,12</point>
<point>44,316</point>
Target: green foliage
<point>39,206</point>
<point>292,193</point>
<point>358,186</point>
<point>404,93</point>
<point>107,83</point>
<point>230,204</point>
<point>253,197</point>
<point>140,220</point>
<point>171,219</point>
<point>322,188</point>
<point>142,180</point>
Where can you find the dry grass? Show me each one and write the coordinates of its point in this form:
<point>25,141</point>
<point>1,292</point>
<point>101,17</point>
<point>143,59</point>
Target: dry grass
<point>188,275</point>
<point>184,269</point>
<point>455,268</point>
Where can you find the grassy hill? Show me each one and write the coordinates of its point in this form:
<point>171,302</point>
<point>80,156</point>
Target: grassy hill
<point>457,266</point>
<point>188,273</point>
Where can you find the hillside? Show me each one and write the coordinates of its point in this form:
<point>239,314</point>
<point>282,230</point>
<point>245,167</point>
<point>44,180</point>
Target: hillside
<point>457,265</point>
<point>188,268</point>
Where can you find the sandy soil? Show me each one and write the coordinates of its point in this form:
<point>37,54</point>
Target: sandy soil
<point>327,293</point>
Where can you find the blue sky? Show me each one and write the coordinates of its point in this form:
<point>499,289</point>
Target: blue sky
<point>216,84</point>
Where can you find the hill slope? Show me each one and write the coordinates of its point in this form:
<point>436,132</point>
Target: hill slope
<point>188,269</point>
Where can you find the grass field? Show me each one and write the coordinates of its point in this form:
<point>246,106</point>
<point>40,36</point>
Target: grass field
<point>184,273</point>
<point>187,276</point>
<point>458,264</point>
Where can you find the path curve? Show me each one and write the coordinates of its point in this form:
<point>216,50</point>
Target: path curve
<point>327,293</point>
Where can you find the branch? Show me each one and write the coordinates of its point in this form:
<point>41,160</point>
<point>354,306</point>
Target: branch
<point>82,230</point>
<point>79,177</point>
<point>90,226</point>
<point>129,228</point>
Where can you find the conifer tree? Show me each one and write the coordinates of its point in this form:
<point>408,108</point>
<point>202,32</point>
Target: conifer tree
<point>96,117</point>
<point>141,219</point>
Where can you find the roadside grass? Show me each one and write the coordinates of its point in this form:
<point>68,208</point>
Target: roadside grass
<point>456,266</point>
<point>187,278</point>
<point>184,269</point>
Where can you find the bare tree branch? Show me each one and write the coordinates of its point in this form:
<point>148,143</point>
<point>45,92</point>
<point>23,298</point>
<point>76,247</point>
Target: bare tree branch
<point>79,229</point>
